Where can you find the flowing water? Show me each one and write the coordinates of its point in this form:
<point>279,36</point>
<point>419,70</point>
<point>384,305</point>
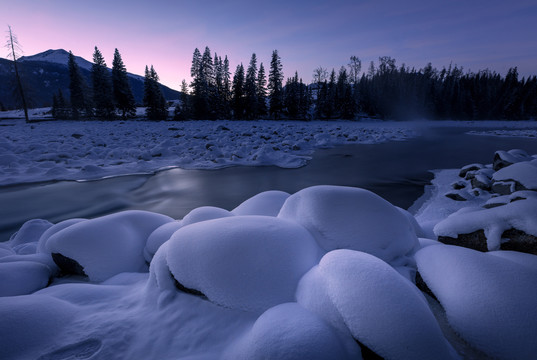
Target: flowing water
<point>397,171</point>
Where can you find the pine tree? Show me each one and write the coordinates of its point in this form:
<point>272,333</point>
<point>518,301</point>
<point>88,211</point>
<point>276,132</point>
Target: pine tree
<point>202,72</point>
<point>156,107</point>
<point>238,93</point>
<point>275,86</point>
<point>123,97</point>
<point>227,89</point>
<point>79,103</point>
<point>261,92</point>
<point>250,89</point>
<point>102,87</point>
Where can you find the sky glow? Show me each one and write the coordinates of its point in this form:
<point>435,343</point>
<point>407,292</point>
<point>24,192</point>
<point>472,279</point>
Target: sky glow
<point>307,34</point>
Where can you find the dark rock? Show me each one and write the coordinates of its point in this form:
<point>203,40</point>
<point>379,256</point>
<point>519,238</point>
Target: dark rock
<point>475,240</point>
<point>458,185</point>
<point>173,129</point>
<point>422,285</point>
<point>481,182</point>
<point>467,168</point>
<point>505,158</point>
<point>184,289</point>
<point>470,175</point>
<point>67,265</point>
<point>367,353</point>
<point>519,241</point>
<point>77,136</point>
<point>504,187</point>
<point>455,196</point>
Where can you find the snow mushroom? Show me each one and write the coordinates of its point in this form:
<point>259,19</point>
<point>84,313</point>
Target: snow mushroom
<point>107,245</point>
<point>241,262</point>
<point>351,218</point>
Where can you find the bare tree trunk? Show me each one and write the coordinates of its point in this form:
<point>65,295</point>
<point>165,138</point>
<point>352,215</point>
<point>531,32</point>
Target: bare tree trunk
<point>19,83</point>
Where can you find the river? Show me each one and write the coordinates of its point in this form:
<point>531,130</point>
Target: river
<point>397,171</point>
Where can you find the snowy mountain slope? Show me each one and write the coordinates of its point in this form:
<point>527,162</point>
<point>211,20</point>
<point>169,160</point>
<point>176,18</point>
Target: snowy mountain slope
<point>45,73</point>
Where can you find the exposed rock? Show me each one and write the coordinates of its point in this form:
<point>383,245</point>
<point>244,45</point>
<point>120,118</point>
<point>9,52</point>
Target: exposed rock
<point>481,182</point>
<point>467,168</point>
<point>458,185</point>
<point>519,241</point>
<point>455,196</point>
<point>67,265</point>
<point>504,187</point>
<point>475,240</point>
<point>503,159</point>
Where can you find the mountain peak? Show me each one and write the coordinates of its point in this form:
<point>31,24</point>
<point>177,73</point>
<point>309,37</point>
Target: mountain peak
<point>58,56</point>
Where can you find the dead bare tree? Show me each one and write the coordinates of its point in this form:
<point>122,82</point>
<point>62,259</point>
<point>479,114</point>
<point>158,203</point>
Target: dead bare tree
<point>13,46</point>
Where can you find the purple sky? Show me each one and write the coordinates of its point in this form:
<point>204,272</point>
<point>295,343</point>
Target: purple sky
<point>476,34</point>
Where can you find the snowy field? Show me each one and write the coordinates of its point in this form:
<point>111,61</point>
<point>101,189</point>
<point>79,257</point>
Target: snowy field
<point>326,273</point>
<point>81,150</point>
<point>526,133</point>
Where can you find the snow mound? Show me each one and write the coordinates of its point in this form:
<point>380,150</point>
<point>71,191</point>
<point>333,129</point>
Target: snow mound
<point>29,232</point>
<point>289,332</point>
<point>351,218</point>
<point>380,308</point>
<point>204,213</point>
<point>489,301</point>
<point>525,173</point>
<point>267,203</point>
<point>107,245</point>
<point>41,243</point>
<point>22,277</point>
<point>241,262</point>
<point>159,237</point>
<point>29,323</point>
<point>495,221</point>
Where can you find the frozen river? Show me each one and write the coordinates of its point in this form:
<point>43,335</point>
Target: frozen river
<point>395,170</point>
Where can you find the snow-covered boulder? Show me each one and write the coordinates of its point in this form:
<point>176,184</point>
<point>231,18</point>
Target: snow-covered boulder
<point>504,159</point>
<point>351,218</point>
<point>241,262</point>
<point>41,243</point>
<point>107,245</point>
<point>22,277</point>
<point>204,213</point>
<point>489,300</point>
<point>381,309</point>
<point>29,232</point>
<point>522,174</point>
<point>159,237</point>
<point>512,226</point>
<point>267,203</point>
<point>290,332</point>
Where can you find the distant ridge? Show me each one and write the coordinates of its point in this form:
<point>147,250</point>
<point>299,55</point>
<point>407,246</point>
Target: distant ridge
<point>45,73</point>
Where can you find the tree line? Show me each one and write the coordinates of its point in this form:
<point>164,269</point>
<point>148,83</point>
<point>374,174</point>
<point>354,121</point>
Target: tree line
<point>384,91</point>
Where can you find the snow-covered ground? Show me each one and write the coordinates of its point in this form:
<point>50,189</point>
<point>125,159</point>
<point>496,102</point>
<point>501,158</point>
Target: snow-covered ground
<point>327,272</point>
<point>80,150</point>
<point>527,133</point>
